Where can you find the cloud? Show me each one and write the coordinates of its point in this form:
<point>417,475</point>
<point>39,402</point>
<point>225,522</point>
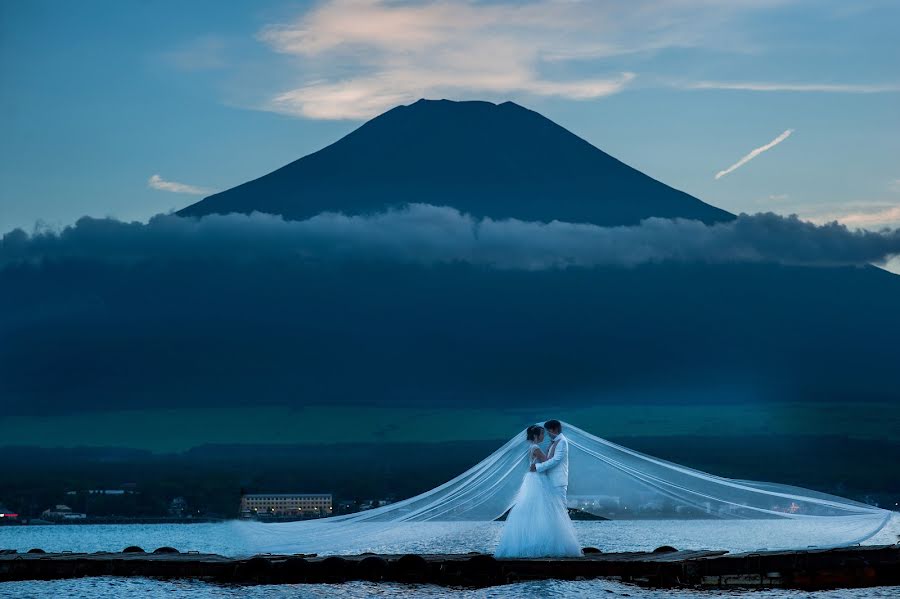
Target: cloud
<point>157,182</point>
<point>754,153</point>
<point>366,97</point>
<point>871,217</point>
<point>884,217</point>
<point>361,57</point>
<point>893,265</point>
<point>758,86</point>
<point>424,234</point>
<point>427,306</point>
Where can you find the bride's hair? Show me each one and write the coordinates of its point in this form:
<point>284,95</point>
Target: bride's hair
<point>533,432</point>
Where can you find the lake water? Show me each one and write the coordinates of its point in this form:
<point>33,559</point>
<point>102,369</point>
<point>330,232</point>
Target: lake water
<point>227,539</point>
<point>127,588</point>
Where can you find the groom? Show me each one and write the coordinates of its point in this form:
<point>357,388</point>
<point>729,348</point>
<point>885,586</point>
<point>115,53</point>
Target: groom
<point>557,467</point>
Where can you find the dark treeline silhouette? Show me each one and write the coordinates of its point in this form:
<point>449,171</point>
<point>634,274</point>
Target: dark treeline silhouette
<point>210,478</point>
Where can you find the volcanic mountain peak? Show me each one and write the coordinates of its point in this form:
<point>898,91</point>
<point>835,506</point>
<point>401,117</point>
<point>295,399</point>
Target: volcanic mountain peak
<point>488,160</point>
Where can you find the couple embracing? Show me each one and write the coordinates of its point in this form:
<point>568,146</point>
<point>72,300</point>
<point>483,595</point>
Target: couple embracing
<point>538,525</point>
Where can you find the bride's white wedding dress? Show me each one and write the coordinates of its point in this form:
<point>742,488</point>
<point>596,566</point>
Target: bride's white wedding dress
<point>538,525</point>
<point>462,512</point>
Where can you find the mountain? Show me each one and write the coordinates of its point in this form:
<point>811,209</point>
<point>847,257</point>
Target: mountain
<point>489,160</point>
<point>174,342</point>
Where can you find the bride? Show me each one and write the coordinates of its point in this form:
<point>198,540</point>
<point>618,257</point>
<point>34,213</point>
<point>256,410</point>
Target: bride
<point>609,479</point>
<point>538,525</point>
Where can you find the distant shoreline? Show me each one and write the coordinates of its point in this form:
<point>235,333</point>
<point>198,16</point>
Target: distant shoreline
<point>118,521</point>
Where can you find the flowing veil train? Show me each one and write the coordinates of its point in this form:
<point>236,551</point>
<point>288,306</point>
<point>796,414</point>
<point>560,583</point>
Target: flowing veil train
<point>607,480</point>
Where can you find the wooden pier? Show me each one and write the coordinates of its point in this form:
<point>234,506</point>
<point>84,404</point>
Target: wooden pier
<point>808,569</point>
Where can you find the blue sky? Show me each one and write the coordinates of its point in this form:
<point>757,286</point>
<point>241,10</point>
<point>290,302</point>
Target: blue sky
<point>100,96</point>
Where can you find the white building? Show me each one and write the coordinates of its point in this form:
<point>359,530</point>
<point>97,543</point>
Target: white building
<point>286,505</point>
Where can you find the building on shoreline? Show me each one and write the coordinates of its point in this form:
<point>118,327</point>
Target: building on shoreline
<point>62,513</point>
<point>294,506</point>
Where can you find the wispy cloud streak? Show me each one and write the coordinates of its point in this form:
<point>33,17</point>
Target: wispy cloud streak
<point>754,153</point>
<point>760,86</point>
<point>357,58</point>
<point>157,182</point>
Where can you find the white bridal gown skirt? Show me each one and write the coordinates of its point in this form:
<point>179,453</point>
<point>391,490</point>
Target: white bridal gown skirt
<point>538,525</point>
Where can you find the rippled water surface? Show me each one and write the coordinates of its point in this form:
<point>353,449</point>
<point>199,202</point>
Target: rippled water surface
<point>229,538</point>
<point>101,588</point>
<point>226,539</point>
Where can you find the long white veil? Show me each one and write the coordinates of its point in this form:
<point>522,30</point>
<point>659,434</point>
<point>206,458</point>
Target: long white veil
<point>647,499</point>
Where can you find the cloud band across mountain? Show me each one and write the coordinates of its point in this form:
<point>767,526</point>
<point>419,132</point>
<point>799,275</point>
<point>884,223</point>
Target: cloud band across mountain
<point>425,234</point>
<point>429,307</point>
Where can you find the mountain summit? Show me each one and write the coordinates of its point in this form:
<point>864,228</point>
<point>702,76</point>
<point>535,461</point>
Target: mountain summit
<point>488,160</point>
